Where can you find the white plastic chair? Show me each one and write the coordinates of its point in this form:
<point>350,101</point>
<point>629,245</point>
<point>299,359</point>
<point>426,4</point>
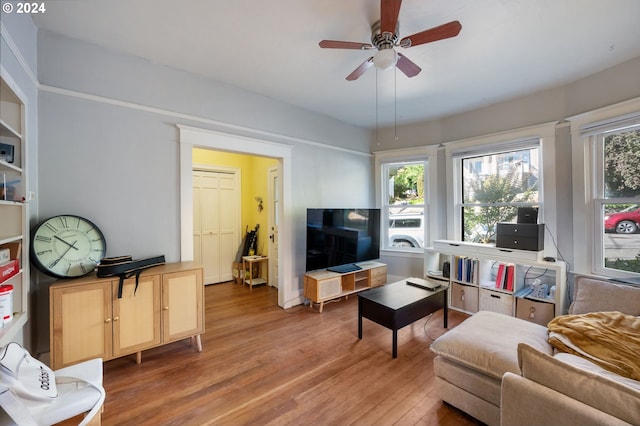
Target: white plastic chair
<point>79,391</point>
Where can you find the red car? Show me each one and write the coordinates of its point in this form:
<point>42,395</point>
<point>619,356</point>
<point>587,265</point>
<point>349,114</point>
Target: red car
<point>626,221</point>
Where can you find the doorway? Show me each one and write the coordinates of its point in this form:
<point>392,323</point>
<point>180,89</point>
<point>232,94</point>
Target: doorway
<point>289,293</point>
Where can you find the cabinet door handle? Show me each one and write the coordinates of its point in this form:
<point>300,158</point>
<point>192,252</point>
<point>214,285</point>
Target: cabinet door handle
<point>166,308</point>
<point>107,320</point>
<point>116,318</point>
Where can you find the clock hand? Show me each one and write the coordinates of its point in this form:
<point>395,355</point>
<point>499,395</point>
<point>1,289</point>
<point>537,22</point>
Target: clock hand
<point>70,245</point>
<point>55,262</point>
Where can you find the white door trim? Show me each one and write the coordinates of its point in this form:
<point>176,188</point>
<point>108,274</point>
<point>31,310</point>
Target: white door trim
<point>192,137</point>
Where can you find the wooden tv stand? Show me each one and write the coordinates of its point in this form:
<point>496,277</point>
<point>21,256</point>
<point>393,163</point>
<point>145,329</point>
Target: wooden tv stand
<point>321,285</point>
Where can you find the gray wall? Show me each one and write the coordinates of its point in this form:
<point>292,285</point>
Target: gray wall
<point>117,163</point>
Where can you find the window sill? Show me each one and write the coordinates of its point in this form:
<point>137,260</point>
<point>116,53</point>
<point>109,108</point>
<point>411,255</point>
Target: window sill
<point>416,253</point>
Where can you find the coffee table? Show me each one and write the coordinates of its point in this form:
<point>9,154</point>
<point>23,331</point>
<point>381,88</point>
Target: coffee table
<point>399,304</point>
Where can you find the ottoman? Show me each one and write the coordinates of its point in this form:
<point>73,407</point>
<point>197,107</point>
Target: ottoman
<point>472,358</point>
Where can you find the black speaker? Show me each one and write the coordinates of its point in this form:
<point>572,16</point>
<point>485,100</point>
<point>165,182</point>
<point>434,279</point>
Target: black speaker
<point>527,215</point>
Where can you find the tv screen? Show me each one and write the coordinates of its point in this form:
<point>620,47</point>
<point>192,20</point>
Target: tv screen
<point>337,237</point>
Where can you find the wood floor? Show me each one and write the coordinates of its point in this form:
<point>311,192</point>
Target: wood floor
<point>262,365</point>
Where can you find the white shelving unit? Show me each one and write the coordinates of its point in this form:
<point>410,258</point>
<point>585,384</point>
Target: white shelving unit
<point>474,269</point>
<point>13,209</point>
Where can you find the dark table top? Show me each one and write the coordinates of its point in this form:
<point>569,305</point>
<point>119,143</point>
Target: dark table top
<point>399,294</point>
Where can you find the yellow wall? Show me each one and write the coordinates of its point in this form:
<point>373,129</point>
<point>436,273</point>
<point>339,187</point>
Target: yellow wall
<point>254,183</point>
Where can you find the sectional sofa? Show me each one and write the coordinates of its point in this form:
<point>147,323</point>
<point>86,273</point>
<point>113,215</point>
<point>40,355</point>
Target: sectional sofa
<point>503,370</point>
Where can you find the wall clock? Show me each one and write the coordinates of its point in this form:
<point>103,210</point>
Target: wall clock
<point>67,246</point>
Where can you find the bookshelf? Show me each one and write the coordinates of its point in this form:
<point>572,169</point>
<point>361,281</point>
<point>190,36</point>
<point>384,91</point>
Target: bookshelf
<point>513,282</point>
<point>14,228</point>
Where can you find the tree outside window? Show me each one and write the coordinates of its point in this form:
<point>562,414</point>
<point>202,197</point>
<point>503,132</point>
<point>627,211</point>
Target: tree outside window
<point>621,205</point>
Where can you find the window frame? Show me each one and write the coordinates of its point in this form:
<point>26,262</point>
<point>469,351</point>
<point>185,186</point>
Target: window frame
<point>508,147</point>
<point>426,154</point>
<point>587,136</point>
<point>502,142</point>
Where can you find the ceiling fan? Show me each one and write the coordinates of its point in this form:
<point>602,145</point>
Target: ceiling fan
<point>384,37</point>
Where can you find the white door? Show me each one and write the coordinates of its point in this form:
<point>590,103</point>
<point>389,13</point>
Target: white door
<point>215,228</point>
<point>274,203</point>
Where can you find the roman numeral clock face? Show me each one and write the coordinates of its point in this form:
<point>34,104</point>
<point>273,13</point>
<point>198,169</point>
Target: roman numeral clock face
<point>67,246</point>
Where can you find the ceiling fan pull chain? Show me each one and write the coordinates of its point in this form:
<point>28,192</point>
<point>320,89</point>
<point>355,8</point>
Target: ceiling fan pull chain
<point>395,104</point>
<point>377,125</point>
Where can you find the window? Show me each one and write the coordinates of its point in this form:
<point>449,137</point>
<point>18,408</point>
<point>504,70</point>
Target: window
<point>403,204</point>
<point>606,187</point>
<point>493,184</point>
<point>617,199</point>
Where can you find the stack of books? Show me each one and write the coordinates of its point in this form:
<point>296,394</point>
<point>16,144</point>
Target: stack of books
<point>466,269</point>
<point>505,276</point>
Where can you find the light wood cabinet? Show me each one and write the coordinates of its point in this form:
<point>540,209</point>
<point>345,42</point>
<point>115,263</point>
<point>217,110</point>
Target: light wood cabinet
<point>88,320</point>
<point>321,285</point>
<point>182,305</point>
<point>136,316</point>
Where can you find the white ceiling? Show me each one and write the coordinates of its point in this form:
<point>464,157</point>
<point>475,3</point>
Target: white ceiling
<point>507,48</point>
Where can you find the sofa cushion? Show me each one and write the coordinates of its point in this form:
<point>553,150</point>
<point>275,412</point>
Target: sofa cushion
<point>488,342</point>
<point>594,295</point>
<point>587,387</point>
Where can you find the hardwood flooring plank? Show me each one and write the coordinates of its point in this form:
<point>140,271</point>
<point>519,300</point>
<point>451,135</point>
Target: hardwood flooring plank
<point>262,365</point>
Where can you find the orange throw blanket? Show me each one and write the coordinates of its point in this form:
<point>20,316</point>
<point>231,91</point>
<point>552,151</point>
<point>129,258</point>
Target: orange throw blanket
<point>609,339</point>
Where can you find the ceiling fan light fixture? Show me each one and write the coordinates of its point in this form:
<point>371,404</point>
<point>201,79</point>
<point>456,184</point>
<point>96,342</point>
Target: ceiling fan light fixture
<point>385,59</point>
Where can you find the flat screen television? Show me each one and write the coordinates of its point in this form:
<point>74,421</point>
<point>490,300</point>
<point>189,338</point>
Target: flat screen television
<point>339,238</point>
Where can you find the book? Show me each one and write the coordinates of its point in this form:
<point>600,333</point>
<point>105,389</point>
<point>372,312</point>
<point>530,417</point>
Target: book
<point>509,280</point>
<point>500,275</point>
<point>475,278</point>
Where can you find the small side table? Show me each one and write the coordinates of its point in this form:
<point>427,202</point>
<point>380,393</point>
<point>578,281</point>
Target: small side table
<point>247,264</point>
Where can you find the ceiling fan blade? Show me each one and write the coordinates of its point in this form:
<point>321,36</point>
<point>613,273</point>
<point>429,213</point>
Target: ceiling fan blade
<point>407,66</point>
<point>336,44</point>
<point>361,69</point>
<point>389,11</point>
<point>441,32</point>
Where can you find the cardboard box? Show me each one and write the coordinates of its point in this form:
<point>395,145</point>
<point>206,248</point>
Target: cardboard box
<point>14,249</point>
